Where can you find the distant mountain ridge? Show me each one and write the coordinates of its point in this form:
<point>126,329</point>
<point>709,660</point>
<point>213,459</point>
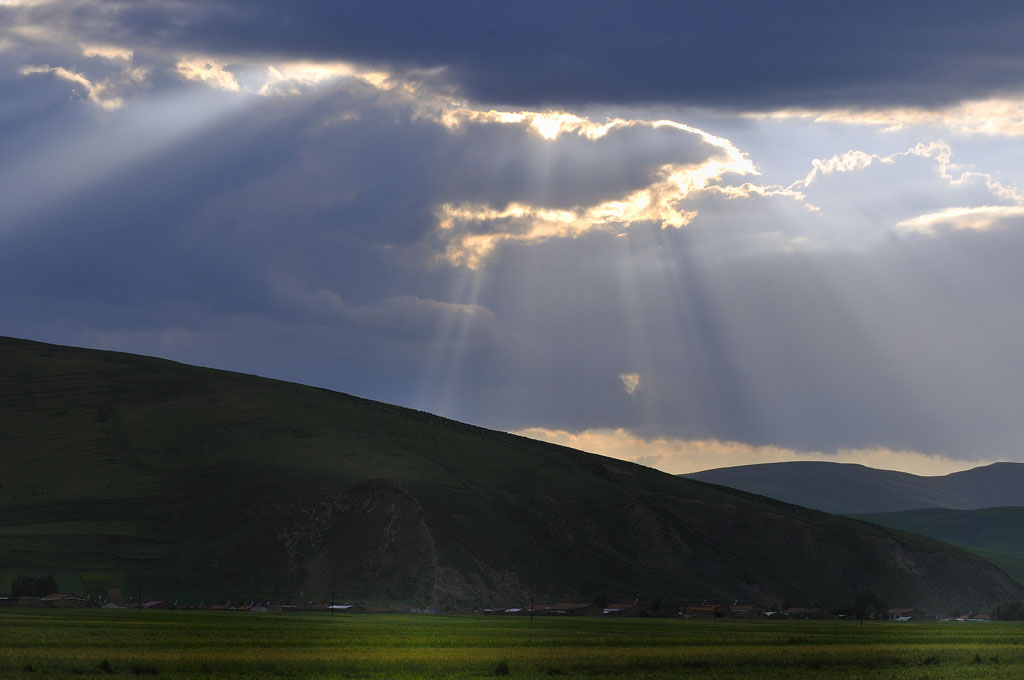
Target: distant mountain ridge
<point>133,472</point>
<point>849,488</point>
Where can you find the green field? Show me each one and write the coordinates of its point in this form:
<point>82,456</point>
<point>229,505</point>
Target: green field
<point>66,644</point>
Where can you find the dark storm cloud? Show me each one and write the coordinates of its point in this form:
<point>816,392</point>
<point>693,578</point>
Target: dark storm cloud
<point>747,54</point>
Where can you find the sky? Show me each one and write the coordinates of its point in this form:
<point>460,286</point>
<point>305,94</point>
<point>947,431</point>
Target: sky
<point>691,235</point>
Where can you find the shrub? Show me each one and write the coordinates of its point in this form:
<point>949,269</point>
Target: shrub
<point>1010,610</point>
<point>34,585</point>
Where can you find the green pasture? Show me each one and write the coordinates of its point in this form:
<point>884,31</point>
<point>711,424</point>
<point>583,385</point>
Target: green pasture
<point>190,644</point>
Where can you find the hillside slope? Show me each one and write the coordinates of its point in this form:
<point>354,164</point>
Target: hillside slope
<point>138,472</point>
<point>994,533</point>
<point>847,488</point>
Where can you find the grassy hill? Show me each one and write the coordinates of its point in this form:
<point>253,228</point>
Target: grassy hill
<point>847,488</point>
<point>994,533</point>
<point>129,471</point>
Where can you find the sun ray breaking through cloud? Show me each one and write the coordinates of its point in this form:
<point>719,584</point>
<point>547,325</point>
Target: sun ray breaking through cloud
<point>472,230</point>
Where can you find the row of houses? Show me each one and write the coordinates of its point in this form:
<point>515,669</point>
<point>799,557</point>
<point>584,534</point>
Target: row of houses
<point>623,609</point>
<point>704,610</point>
<point>738,610</point>
<point>54,600</point>
<point>73,601</point>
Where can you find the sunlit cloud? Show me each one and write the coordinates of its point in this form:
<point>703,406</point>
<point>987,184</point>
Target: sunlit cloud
<point>630,382</point>
<point>854,160</point>
<point>289,77</point>
<point>683,456</point>
<point>107,52</point>
<point>980,218</point>
<point>209,71</point>
<point>97,93</point>
<point>474,230</point>
<point>547,124</point>
<point>997,117</point>
<point>106,93</point>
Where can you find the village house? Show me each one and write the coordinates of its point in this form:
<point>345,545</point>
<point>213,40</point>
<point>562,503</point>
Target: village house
<point>574,609</point>
<point>906,614</point>
<point>746,611</point>
<point>627,610</point>
<point>67,601</point>
<point>705,610</point>
<point>351,608</point>
<point>536,610</point>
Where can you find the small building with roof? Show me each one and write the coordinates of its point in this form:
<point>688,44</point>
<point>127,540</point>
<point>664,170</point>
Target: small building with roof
<point>624,609</point>
<point>906,614</point>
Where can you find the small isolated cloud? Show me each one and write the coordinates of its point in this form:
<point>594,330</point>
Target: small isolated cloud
<point>630,382</point>
<point>207,70</point>
<point>107,52</point>
<point>684,456</point>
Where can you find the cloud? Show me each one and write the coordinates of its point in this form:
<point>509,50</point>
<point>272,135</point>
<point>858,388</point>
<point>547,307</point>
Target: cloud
<point>743,56</point>
<point>207,70</point>
<point>107,52</point>
<point>97,93</point>
<point>1002,117</point>
<point>290,77</point>
<point>104,84</point>
<point>979,218</point>
<point>683,456</point>
<point>854,160</point>
<point>473,230</point>
<point>630,382</point>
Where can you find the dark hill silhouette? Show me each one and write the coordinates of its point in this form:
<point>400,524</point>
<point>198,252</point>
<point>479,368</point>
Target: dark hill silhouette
<point>123,470</point>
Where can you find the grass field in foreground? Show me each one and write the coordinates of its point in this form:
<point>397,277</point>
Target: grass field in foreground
<point>65,644</point>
